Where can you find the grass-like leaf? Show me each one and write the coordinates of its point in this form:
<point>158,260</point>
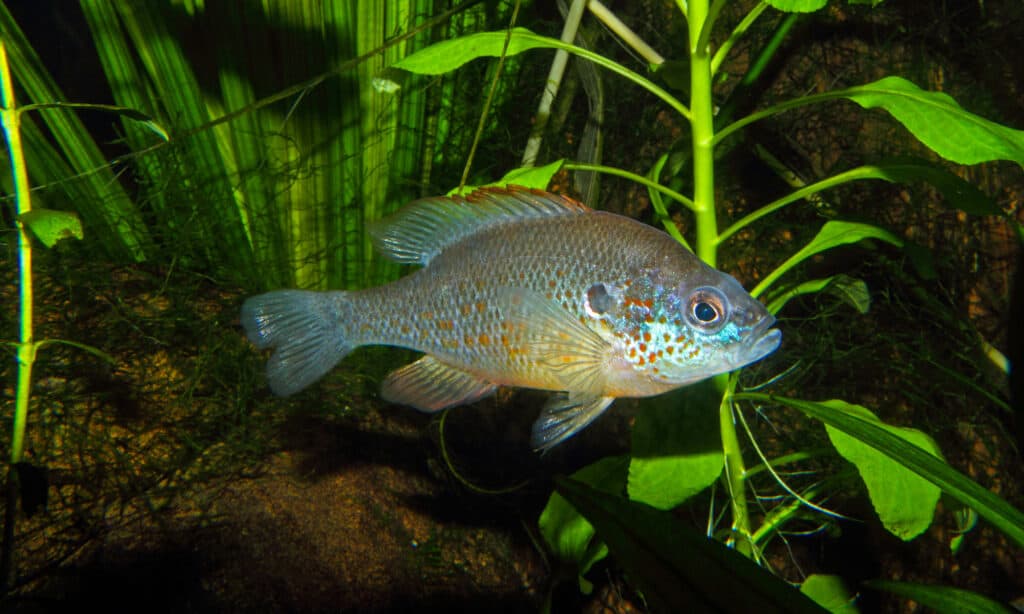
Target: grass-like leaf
<point>989,506</point>
<point>677,568</point>
<point>942,599</point>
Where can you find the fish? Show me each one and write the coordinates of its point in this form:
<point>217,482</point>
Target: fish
<point>521,288</point>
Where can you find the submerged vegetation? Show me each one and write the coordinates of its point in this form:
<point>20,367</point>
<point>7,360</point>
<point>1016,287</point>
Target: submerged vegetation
<point>871,463</point>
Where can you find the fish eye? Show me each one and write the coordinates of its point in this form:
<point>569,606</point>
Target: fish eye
<point>704,312</point>
<point>598,299</point>
<point>707,309</point>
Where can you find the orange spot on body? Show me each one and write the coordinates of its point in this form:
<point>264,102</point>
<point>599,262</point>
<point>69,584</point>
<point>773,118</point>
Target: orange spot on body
<point>667,337</point>
<point>405,329</point>
<point>671,350</point>
<point>643,347</point>
<point>468,340</point>
<point>484,340</point>
<point>481,306</point>
<point>467,309</point>
<point>652,357</point>
<point>427,315</point>
<point>552,283</point>
<point>647,336</point>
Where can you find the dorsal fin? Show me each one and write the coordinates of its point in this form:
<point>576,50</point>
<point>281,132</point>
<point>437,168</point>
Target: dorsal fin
<point>421,229</point>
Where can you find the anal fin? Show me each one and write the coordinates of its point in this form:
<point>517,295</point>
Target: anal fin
<point>564,416</point>
<point>430,385</point>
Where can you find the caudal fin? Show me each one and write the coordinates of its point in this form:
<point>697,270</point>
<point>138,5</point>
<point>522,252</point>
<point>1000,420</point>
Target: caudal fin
<point>307,331</point>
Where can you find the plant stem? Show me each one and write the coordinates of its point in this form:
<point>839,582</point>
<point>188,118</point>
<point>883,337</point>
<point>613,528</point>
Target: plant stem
<point>9,118</point>
<point>702,122</point>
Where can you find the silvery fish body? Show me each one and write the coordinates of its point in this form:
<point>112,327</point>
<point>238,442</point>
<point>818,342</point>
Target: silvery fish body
<point>522,288</point>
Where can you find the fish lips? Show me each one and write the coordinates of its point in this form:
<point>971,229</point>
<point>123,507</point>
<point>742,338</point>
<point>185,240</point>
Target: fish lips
<point>761,341</point>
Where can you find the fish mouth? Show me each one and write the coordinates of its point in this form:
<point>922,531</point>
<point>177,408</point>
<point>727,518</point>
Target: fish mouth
<point>762,340</point>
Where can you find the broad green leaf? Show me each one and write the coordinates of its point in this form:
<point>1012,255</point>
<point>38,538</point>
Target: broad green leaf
<point>676,449</point>
<point>830,592</point>
<point>797,6</point>
<point>942,599</point>
<point>832,234</point>
<point>50,226</point>
<point>677,568</point>
<point>940,123</point>
<point>569,536</point>
<point>448,55</point>
<point>904,501</point>
<point>989,506</point>
<point>852,291</point>
<point>537,177</point>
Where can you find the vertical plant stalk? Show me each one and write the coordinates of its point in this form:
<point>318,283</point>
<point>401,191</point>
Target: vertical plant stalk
<point>554,81</point>
<point>26,347</point>
<point>702,122</point>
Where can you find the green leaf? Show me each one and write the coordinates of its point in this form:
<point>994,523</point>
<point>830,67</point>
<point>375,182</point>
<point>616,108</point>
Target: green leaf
<point>850,290</point>
<point>832,234</point>
<point>50,226</point>
<point>797,6</point>
<point>940,123</point>
<point>942,599</point>
<point>537,177</point>
<point>676,449</point>
<point>904,501</point>
<point>677,568</point>
<point>989,506</point>
<point>448,55</point>
<point>569,536</point>
<point>132,114</point>
<point>830,592</point>
<point>959,193</point>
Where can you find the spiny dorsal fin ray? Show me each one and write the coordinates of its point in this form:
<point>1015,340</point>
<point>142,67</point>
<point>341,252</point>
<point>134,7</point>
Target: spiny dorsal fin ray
<point>421,229</point>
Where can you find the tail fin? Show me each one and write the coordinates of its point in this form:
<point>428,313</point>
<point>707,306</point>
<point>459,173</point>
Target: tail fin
<point>307,331</point>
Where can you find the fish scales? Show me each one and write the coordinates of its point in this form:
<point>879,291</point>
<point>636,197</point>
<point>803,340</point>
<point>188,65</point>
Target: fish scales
<point>523,288</point>
<point>452,309</point>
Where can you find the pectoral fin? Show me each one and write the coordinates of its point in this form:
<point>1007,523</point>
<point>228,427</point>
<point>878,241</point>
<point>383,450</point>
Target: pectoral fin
<point>554,338</point>
<point>430,385</point>
<point>563,416</point>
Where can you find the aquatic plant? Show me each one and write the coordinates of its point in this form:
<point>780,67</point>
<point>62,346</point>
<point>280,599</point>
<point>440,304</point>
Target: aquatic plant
<point>673,456</point>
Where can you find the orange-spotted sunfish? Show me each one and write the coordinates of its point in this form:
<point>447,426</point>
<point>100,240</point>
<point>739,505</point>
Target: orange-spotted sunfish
<point>522,288</point>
